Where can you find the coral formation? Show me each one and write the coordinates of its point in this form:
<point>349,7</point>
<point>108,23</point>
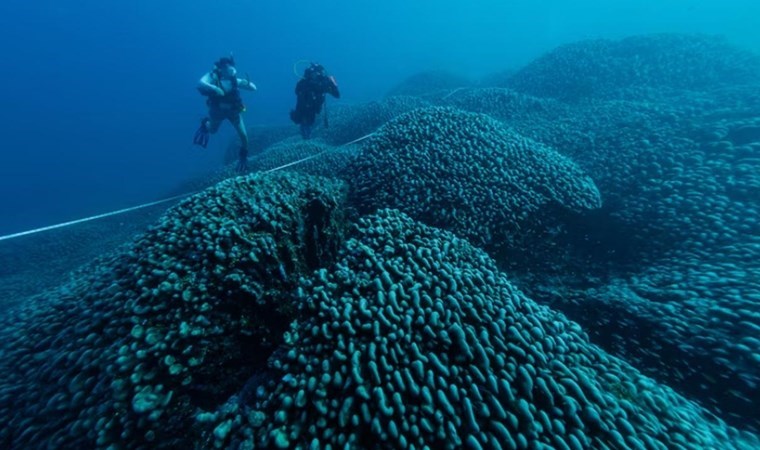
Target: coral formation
<point>414,339</point>
<point>467,173</point>
<point>122,355</point>
<point>609,69</point>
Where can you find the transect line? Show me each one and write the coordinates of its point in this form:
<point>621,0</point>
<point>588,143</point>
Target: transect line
<point>158,202</point>
<point>87,219</point>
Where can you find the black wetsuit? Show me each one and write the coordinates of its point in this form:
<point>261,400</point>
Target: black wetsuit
<point>310,95</point>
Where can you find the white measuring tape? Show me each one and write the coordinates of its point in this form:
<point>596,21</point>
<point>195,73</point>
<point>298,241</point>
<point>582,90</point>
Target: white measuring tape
<point>452,93</point>
<point>158,202</point>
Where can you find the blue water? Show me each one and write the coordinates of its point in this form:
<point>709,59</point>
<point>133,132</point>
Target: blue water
<point>99,102</point>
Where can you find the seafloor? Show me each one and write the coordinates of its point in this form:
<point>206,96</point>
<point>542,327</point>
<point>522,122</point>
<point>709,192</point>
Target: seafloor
<point>565,256</point>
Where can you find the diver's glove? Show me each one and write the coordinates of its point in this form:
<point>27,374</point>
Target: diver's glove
<point>250,83</point>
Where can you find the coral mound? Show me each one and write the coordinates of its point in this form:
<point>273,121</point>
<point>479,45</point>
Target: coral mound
<point>467,173</point>
<point>124,355</point>
<point>604,68</point>
<point>415,340</point>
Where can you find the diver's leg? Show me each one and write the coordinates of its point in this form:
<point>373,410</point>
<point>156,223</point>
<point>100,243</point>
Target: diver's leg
<point>307,125</point>
<point>208,125</point>
<point>239,125</point>
<point>213,124</point>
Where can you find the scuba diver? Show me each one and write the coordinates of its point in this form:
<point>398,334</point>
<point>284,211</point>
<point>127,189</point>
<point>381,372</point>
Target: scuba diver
<point>222,88</point>
<point>310,96</point>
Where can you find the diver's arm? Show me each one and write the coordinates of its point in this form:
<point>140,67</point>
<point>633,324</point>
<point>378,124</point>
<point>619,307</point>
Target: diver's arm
<point>206,85</point>
<point>246,84</point>
<point>331,87</point>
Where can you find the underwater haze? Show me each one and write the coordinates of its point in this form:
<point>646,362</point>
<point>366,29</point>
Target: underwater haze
<point>507,225</point>
<point>100,101</point>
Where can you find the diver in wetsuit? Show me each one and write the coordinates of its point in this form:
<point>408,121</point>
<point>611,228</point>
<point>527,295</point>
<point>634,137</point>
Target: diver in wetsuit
<point>222,88</point>
<point>310,96</point>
